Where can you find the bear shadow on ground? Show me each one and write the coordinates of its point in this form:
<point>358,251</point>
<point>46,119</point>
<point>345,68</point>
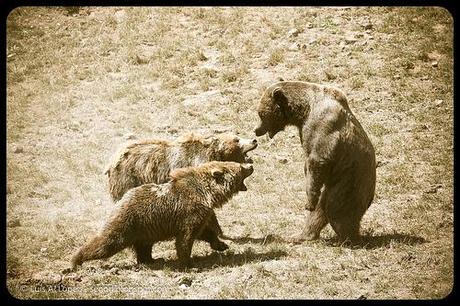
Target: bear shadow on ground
<point>263,240</point>
<point>379,241</point>
<point>216,259</point>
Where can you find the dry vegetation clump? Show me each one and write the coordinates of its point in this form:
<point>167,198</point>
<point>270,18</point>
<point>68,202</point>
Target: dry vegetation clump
<point>83,80</point>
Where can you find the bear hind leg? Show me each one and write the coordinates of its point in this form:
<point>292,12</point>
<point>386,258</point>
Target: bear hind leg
<point>98,248</point>
<point>347,230</point>
<point>316,221</point>
<point>143,252</point>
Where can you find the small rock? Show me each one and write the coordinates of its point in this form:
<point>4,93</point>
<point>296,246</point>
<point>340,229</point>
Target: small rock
<point>309,25</point>
<point>74,126</point>
<point>120,16</point>
<point>72,276</point>
<point>424,78</point>
<point>19,149</point>
<point>368,26</point>
<point>438,102</point>
<point>114,271</point>
<point>140,59</point>
<point>409,65</point>
<point>293,32</point>
<point>350,40</point>
<point>282,160</point>
<point>130,136</point>
<point>330,76</point>
<point>431,56</point>
<point>107,266</point>
<point>172,131</point>
<point>434,64</point>
<point>380,163</point>
<point>397,77</point>
<point>362,297</point>
<point>185,281</point>
<point>423,127</point>
<point>294,47</point>
<point>66,271</point>
<point>433,188</point>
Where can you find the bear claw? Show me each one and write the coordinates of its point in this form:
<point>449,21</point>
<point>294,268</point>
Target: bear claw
<point>219,246</point>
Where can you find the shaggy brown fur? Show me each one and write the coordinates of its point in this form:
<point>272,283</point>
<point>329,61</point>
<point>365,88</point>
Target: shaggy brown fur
<point>340,159</point>
<point>150,161</point>
<point>181,208</point>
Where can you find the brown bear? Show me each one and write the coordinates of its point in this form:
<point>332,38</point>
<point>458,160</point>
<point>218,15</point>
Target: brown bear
<point>150,161</point>
<point>182,209</point>
<point>340,167</point>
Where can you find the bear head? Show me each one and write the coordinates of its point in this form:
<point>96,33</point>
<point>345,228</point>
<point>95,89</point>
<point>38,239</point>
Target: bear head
<point>272,111</point>
<point>232,148</point>
<point>219,181</point>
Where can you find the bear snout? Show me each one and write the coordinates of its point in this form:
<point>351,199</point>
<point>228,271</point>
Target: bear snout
<point>259,131</point>
<point>248,169</point>
<point>248,145</point>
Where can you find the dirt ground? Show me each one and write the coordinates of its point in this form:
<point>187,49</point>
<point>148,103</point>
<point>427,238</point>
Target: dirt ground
<point>81,81</point>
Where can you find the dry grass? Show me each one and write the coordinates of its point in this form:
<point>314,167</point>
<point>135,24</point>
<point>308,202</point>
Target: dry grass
<point>82,80</point>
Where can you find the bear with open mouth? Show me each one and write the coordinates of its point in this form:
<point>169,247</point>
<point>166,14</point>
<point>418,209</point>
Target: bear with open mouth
<point>179,209</point>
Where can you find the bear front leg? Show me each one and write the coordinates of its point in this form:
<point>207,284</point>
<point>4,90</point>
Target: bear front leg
<point>184,243</point>
<point>316,221</point>
<point>211,232</point>
<point>143,252</point>
<point>315,173</point>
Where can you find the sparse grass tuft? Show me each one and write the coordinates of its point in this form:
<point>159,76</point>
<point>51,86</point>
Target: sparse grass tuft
<point>276,56</point>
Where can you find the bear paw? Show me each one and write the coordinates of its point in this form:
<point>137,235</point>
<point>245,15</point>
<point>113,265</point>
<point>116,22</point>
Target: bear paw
<point>309,206</point>
<point>219,246</point>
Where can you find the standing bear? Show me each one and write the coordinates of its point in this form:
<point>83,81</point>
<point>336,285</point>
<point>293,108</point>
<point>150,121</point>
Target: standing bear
<point>180,209</point>
<point>150,161</point>
<point>340,167</point>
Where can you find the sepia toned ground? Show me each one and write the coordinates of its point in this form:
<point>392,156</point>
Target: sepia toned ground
<point>82,81</point>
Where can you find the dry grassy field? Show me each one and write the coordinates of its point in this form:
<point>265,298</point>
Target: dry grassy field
<point>82,81</point>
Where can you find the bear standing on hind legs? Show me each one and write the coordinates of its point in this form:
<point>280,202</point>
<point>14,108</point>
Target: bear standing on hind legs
<point>339,157</point>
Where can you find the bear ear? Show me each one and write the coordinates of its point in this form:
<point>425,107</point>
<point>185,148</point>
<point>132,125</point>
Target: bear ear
<point>217,172</point>
<point>279,97</point>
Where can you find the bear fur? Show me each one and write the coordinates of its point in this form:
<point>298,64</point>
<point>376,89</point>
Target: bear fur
<point>150,161</point>
<point>340,168</point>
<point>182,209</point>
